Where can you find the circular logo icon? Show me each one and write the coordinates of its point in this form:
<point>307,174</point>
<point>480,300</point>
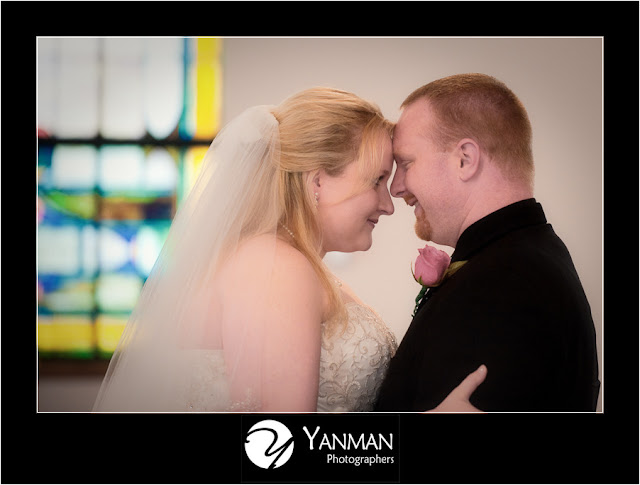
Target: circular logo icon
<point>269,444</point>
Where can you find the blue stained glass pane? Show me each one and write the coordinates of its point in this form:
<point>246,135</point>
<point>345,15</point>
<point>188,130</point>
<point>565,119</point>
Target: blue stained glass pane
<point>45,155</point>
<point>126,247</point>
<point>104,210</point>
<point>115,246</point>
<point>187,127</point>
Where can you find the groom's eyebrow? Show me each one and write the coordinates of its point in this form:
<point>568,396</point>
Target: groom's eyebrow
<point>397,155</point>
<point>397,152</point>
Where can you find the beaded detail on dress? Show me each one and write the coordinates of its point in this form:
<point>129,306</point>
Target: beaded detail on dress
<point>208,389</point>
<point>352,366</point>
<point>353,363</point>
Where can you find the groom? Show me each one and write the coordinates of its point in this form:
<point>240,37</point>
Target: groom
<point>463,151</point>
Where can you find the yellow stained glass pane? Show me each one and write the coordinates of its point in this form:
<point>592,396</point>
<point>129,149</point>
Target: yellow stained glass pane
<point>46,334</point>
<point>66,333</point>
<point>191,169</point>
<point>108,332</point>
<point>208,86</point>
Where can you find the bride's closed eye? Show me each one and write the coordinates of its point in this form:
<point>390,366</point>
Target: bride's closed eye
<point>383,177</point>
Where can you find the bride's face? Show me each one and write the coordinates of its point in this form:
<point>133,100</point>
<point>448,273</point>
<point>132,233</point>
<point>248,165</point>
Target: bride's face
<point>349,212</point>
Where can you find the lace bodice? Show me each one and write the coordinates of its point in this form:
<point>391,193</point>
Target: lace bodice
<point>352,366</point>
<point>354,363</point>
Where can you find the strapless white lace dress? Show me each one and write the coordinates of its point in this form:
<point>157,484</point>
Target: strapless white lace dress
<point>352,366</point>
<point>353,363</point>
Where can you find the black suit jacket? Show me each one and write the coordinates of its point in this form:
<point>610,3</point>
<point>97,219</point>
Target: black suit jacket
<point>517,306</point>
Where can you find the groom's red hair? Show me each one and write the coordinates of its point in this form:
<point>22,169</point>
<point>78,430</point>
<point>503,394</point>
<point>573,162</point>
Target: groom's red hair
<point>483,108</point>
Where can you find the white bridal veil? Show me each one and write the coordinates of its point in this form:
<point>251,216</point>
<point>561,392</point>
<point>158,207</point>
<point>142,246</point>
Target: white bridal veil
<point>172,356</point>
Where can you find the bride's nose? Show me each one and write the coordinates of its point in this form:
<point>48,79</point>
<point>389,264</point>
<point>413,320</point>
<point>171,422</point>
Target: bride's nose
<point>386,204</point>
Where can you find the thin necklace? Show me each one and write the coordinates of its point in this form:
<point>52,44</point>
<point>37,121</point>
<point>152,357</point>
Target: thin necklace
<point>287,229</point>
<point>284,226</point>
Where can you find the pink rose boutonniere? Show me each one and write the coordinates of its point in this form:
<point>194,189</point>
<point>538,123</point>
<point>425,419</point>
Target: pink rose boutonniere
<point>432,267</point>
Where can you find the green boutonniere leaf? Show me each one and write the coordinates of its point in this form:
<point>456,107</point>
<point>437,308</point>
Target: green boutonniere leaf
<point>451,270</point>
<point>453,267</point>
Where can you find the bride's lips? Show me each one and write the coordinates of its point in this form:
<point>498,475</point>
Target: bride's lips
<point>372,222</point>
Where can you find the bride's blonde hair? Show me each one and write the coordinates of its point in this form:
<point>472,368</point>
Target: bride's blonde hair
<point>255,178</point>
<point>324,129</point>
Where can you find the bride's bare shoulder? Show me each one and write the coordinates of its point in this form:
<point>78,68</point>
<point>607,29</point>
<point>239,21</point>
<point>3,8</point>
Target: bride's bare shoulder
<point>268,256</point>
<point>279,278</point>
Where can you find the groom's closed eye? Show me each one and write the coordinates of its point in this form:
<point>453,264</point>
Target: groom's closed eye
<point>401,157</point>
<point>403,163</point>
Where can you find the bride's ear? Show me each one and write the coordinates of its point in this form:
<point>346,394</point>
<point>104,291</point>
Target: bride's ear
<point>314,184</point>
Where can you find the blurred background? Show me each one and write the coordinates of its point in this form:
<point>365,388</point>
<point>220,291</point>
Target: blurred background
<point>123,125</point>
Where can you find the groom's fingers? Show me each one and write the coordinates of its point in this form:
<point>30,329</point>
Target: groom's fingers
<point>471,383</point>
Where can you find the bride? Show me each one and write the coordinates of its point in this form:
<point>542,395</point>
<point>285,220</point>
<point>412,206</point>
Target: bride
<point>240,313</point>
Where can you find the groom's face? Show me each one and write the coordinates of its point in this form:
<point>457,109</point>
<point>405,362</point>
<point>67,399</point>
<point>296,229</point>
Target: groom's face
<point>424,176</point>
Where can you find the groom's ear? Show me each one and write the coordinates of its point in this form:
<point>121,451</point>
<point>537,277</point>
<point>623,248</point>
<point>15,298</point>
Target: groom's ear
<point>468,157</point>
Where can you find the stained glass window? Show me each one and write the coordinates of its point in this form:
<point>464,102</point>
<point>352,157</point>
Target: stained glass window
<point>123,126</point>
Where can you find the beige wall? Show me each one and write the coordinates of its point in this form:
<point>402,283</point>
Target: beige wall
<point>559,80</point>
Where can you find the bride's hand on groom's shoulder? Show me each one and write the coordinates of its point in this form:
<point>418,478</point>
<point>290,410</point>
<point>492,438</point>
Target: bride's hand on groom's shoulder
<point>458,400</point>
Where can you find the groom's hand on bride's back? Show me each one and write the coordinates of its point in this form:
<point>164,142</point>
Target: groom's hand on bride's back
<point>458,400</point>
